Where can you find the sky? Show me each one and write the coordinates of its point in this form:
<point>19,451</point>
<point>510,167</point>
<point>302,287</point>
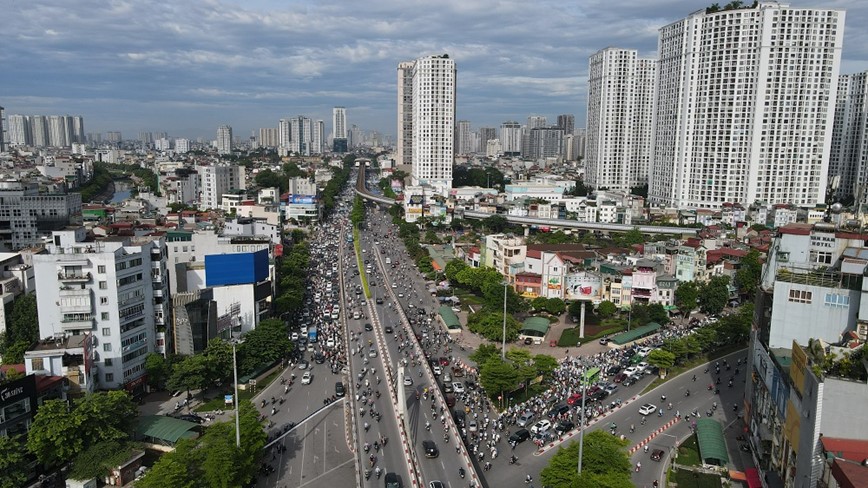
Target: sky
<point>185,67</point>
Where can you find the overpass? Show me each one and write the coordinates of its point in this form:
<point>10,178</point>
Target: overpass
<point>363,192</point>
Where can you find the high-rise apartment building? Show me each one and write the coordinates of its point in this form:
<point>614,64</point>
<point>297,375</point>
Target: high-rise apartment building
<point>463,139</point>
<point>404,147</point>
<point>57,131</point>
<point>114,289</point>
<point>114,136</point>
<point>3,136</point>
<point>486,134</point>
<point>317,137</point>
<point>217,179</point>
<point>339,122</point>
<point>510,138</point>
<point>300,132</point>
<point>620,119</point>
<point>535,121</point>
<point>39,129</point>
<point>567,122</point>
<point>76,128</point>
<point>744,107</point>
<point>27,216</point>
<point>18,130</point>
<point>849,154</point>
<point>224,139</point>
<point>545,142</point>
<point>268,137</point>
<point>434,85</point>
<point>283,133</point>
<point>182,146</point>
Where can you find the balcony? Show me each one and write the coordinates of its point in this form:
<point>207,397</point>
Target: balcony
<point>74,276</point>
<point>76,322</point>
<point>818,277</point>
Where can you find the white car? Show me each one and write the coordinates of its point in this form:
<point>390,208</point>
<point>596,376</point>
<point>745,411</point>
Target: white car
<point>541,427</point>
<point>631,370</point>
<point>306,378</point>
<point>472,426</point>
<point>408,381</point>
<point>372,353</point>
<point>643,351</point>
<point>647,409</point>
<point>294,336</point>
<point>437,370</point>
<point>394,285</point>
<point>458,387</point>
<point>330,342</point>
<point>642,366</point>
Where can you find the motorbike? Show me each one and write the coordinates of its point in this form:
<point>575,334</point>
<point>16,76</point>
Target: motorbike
<point>367,474</point>
<point>745,447</point>
<point>461,472</point>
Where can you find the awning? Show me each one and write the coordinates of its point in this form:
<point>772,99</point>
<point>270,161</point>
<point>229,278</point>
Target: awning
<point>753,478</point>
<point>165,430</point>
<point>712,446</point>
<point>449,318</point>
<point>535,326</point>
<point>637,333</point>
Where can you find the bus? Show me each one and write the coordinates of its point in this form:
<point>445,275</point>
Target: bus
<point>311,335</point>
<point>591,376</point>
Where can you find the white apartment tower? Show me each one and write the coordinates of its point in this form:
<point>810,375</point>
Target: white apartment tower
<point>224,139</point>
<point>339,122</point>
<point>434,80</point>
<point>744,106</point>
<point>510,138</point>
<point>283,133</point>
<point>18,130</point>
<point>849,139</point>
<point>217,179</point>
<point>268,137</point>
<point>300,135</point>
<point>114,289</point>
<point>620,118</point>
<point>404,152</point>
<point>182,146</point>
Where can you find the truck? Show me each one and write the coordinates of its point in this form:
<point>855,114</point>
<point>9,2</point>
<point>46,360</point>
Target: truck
<point>311,335</point>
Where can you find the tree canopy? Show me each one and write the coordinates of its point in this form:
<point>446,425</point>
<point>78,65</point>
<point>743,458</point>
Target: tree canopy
<point>22,328</point>
<point>714,295</point>
<point>489,324</point>
<point>606,309</point>
<point>604,464</point>
<point>748,275</point>
<point>686,296</point>
<point>13,462</point>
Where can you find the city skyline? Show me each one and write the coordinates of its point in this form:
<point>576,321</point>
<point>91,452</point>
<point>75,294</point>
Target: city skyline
<point>250,64</point>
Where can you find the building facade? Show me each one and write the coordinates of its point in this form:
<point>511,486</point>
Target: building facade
<point>404,152</point>
<point>510,138</point>
<point>727,128</point>
<point>224,139</point>
<point>434,89</point>
<point>849,141</point>
<point>620,118</point>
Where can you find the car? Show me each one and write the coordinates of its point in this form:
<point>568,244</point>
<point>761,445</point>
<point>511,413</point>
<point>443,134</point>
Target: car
<point>319,358</point>
<point>408,380</point>
<point>631,380</point>
<point>611,388</point>
<point>564,426</point>
<point>339,389</point>
<point>446,378</point>
<point>632,370</point>
<point>330,342</point>
<point>306,378</point>
<point>437,370</point>
<point>558,410</point>
<point>644,351</point>
<point>368,326</point>
<point>388,329</point>
<point>528,341</point>
<point>574,399</point>
<point>436,484</point>
<point>379,301</point>
<point>472,426</point>
<point>192,418</point>
<point>450,400</point>
<point>619,377</point>
<point>647,409</point>
<point>614,369</point>
<point>394,285</point>
<point>392,481</point>
<point>372,353</point>
<point>460,417</point>
<point>657,454</point>
<point>458,387</point>
<point>303,364</point>
<point>447,388</point>
<point>294,336</point>
<point>541,427</point>
<point>604,340</point>
<point>430,449</point>
<point>471,385</point>
<point>525,419</point>
<point>519,436</point>
<point>444,361</point>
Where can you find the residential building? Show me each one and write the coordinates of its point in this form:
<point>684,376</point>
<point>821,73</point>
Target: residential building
<point>493,148</point>
<point>283,133</point>
<point>39,129</point>
<point>16,279</point>
<point>567,123</point>
<point>510,138</point>
<point>182,146</point>
<point>725,110</point>
<point>810,316</point>
<point>463,139</point>
<point>485,134</point>
<point>690,262</point>
<point>300,135</point>
<point>849,144</point>
<point>215,180</point>
<point>620,118</point>
<point>57,131</point>
<point>113,289</point>
<point>505,253</point>
<point>404,151</point>
<point>545,142</point>
<point>28,216</point>
<point>339,122</point>
<point>268,137</point>
<point>302,186</point>
<point>434,86</point>
<point>18,130</point>
<point>224,139</point>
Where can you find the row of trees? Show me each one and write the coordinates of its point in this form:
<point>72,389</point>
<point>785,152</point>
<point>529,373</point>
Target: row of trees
<point>486,283</point>
<point>605,464</point>
<point>409,233</point>
<point>213,459</point>
<point>292,273</point>
<point>499,376</point>
<point>333,188</point>
<point>262,346</point>
<point>22,329</point>
<point>710,297</point>
<point>554,306</point>
<point>61,433</point>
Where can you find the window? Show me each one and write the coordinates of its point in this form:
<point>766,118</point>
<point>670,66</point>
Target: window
<point>109,377</point>
<point>821,257</point>
<point>107,347</point>
<point>103,300</point>
<point>800,296</point>
<point>104,316</point>
<point>108,362</point>
<point>836,300</point>
<point>100,269</point>
<point>103,285</point>
<point>106,331</point>
<point>36,364</point>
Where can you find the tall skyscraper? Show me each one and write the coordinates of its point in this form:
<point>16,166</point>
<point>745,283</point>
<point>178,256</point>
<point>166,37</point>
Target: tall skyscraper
<point>620,118</point>
<point>567,122</point>
<point>463,138</point>
<point>114,136</point>
<point>18,130</point>
<point>339,122</point>
<point>224,139</point>
<point>39,128</point>
<point>182,146</point>
<point>300,135</point>
<point>268,137</point>
<point>486,134</point>
<point>3,135</point>
<point>745,105</point>
<point>535,121</point>
<point>434,80</point>
<point>57,131</point>
<point>283,133</point>
<point>317,137</point>
<point>78,129</point>
<point>545,142</point>
<point>404,147</point>
<point>849,154</point>
<point>510,138</point>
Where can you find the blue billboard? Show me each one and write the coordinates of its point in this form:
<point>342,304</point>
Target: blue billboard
<point>303,199</point>
<point>236,269</point>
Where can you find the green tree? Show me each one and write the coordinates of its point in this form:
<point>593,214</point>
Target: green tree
<point>604,464</point>
<point>519,356</point>
<point>495,224</point>
<point>54,436</point>
<point>498,376</point>
<point>633,236</point>
<point>482,353</point>
<point>657,313</point>
<point>98,460</point>
<point>544,364</point>
<point>157,368</point>
<point>714,295</point>
<point>555,306</point>
<point>575,309</point>
<point>677,347</point>
<point>661,358</point>
<point>748,275</point>
<point>453,268</point>
<point>177,468</point>
<point>219,355</point>
<point>264,345</point>
<point>22,328</point>
<point>706,337</point>
<point>191,373</point>
<point>606,309</point>
<point>490,325</point>
<point>13,463</point>
<point>539,303</point>
<point>105,416</point>
<point>269,179</point>
<point>685,297</point>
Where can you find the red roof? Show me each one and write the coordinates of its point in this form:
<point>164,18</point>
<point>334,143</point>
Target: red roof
<point>849,474</point>
<point>716,255</point>
<point>796,229</point>
<point>534,253</point>
<point>45,382</point>
<point>852,449</point>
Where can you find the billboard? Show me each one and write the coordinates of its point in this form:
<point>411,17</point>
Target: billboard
<point>236,269</point>
<point>302,199</point>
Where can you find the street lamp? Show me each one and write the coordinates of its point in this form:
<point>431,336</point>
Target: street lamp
<point>503,345</point>
<point>237,412</point>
